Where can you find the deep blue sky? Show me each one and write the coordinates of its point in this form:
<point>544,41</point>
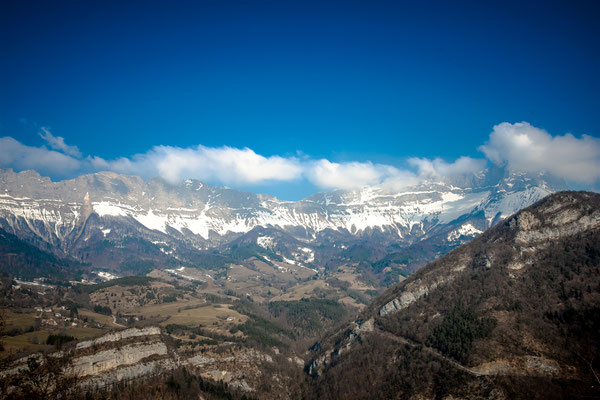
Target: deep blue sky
<point>347,80</point>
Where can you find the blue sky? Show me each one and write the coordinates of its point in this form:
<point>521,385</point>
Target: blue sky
<point>357,84</point>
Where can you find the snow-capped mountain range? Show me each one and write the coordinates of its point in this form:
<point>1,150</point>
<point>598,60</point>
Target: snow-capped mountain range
<point>67,216</point>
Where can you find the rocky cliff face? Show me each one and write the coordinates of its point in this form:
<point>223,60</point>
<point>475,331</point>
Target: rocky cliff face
<point>135,353</point>
<point>128,354</point>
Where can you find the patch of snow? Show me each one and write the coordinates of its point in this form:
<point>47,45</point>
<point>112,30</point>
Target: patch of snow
<point>266,242</point>
<point>107,276</point>
<point>267,258</point>
<point>513,202</point>
<point>312,269</point>
<point>34,283</point>
<point>152,221</point>
<point>310,254</point>
<point>104,208</point>
<point>288,261</point>
<point>179,272</point>
<point>464,230</point>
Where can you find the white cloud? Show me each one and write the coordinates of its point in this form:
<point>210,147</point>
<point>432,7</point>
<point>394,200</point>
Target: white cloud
<point>348,175</point>
<point>438,168</point>
<point>226,165</point>
<point>524,147</point>
<point>58,143</point>
<point>229,166</point>
<point>519,146</point>
<point>16,155</point>
<point>402,179</point>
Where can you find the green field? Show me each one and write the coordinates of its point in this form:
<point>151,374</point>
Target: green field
<point>197,313</point>
<point>18,320</point>
<point>104,319</point>
<point>26,340</point>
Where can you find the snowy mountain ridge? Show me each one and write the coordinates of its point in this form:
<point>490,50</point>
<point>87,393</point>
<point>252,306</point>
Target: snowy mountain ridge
<point>56,213</point>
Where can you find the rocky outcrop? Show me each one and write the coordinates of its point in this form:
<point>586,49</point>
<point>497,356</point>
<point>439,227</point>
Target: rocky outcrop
<point>120,335</point>
<point>568,222</point>
<point>111,359</point>
<point>350,337</point>
<point>409,296</point>
<point>138,352</point>
<point>239,371</point>
<point>523,366</point>
<point>129,372</point>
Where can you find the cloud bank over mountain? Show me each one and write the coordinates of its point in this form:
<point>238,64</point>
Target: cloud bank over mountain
<point>518,146</point>
<point>524,147</point>
<point>226,165</point>
<point>14,154</point>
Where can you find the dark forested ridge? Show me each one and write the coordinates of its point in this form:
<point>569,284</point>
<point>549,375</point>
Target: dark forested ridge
<point>21,260</point>
<point>513,314</point>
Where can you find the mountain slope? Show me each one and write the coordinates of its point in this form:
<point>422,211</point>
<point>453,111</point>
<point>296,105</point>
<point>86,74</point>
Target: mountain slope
<point>514,313</point>
<point>21,260</point>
